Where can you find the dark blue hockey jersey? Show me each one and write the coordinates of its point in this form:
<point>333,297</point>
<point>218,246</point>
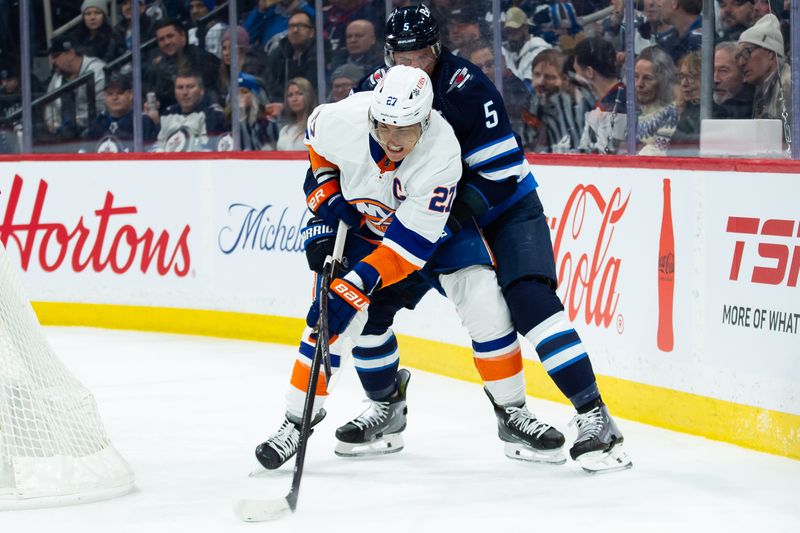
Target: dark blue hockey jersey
<point>498,173</point>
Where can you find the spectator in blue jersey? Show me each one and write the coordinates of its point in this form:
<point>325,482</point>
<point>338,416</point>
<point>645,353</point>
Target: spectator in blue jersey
<point>114,126</point>
<point>604,126</point>
<point>270,19</point>
<point>687,24</point>
<point>498,189</point>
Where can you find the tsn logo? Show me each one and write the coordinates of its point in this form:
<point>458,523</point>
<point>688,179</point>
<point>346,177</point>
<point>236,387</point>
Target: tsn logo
<point>778,242</point>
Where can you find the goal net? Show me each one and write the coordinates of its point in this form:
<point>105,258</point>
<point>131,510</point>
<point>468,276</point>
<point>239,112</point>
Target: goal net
<point>53,447</point>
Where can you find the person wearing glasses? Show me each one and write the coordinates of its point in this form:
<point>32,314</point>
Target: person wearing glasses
<point>270,19</point>
<point>294,56</point>
<point>761,57</point>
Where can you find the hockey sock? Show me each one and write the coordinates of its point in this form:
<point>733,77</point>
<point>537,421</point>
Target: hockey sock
<point>499,362</point>
<point>376,360</point>
<point>538,314</point>
<point>296,395</point>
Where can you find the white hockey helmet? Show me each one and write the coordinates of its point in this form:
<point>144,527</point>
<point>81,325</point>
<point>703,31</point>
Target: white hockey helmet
<point>403,97</point>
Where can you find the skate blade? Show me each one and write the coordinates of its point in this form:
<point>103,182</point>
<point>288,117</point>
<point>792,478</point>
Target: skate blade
<point>259,470</point>
<point>385,445</point>
<point>520,452</point>
<point>613,460</point>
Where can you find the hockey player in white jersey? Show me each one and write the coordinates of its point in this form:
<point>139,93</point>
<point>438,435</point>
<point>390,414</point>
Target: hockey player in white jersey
<point>387,165</point>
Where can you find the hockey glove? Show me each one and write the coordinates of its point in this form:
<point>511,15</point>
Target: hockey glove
<point>346,296</point>
<point>325,200</point>
<point>318,239</point>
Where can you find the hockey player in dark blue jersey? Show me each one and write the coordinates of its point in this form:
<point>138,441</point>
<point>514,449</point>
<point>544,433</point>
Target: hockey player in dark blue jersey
<point>498,189</point>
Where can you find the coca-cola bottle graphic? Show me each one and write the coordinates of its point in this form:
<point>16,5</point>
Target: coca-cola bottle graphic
<point>666,274</point>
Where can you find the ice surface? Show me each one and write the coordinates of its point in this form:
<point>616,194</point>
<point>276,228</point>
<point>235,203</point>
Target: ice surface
<point>187,412</point>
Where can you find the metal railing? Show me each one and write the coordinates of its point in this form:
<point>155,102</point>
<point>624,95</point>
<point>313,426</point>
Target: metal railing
<point>139,49</point>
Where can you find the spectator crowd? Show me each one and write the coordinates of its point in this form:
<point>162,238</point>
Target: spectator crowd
<point>561,69</point>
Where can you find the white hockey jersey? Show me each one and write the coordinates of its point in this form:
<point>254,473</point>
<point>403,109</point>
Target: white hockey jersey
<point>406,203</point>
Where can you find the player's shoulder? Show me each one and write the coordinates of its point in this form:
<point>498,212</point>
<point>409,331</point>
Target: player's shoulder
<point>336,125</point>
<point>368,82</point>
<point>455,78</point>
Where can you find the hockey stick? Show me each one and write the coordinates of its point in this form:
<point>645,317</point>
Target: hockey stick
<point>263,510</point>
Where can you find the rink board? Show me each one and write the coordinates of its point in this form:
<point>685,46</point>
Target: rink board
<point>211,246</point>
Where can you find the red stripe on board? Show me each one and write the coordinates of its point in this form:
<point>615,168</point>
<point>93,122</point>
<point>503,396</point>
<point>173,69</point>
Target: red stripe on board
<point>666,163</point>
<point>574,160</point>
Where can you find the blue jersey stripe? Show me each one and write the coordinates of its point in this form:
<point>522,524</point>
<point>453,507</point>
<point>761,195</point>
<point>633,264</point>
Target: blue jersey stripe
<point>495,344</point>
<point>411,241</point>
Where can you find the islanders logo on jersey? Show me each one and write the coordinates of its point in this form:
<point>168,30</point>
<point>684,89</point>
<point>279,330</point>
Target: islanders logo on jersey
<point>376,214</point>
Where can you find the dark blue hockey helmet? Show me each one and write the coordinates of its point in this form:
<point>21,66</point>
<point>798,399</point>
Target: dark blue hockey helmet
<point>411,28</point>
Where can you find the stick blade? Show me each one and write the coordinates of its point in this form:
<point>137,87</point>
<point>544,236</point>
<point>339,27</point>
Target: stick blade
<point>262,510</point>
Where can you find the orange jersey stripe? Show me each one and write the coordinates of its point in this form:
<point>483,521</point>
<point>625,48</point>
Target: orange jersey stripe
<point>317,161</point>
<point>300,375</point>
<point>500,367</point>
<point>321,194</point>
<point>389,264</point>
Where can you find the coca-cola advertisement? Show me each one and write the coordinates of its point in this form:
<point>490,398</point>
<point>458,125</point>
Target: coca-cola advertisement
<point>615,248</point>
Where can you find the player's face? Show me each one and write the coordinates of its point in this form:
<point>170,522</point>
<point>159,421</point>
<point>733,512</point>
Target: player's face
<point>422,59</point>
<point>397,141</point>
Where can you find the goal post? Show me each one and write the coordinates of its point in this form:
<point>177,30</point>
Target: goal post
<point>53,447</point>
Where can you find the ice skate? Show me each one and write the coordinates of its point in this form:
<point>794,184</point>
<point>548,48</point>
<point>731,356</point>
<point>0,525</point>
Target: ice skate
<point>282,445</point>
<point>377,431</point>
<point>598,447</point>
<point>526,438</point>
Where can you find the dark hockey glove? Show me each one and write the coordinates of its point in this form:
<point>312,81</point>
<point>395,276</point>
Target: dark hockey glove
<point>346,296</point>
<point>325,200</point>
<point>318,238</point>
